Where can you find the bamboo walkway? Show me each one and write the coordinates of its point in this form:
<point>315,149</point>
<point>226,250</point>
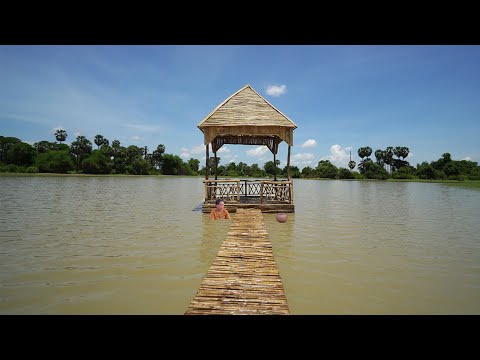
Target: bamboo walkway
<point>244,278</point>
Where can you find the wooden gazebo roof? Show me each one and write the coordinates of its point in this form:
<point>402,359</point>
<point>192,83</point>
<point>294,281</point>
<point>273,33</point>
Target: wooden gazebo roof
<point>247,118</point>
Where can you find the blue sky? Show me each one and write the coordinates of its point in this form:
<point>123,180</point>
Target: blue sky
<point>341,97</point>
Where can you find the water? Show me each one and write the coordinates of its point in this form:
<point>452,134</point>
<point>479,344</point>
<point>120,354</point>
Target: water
<point>133,245</point>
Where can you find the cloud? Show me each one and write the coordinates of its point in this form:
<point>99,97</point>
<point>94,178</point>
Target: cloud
<point>302,159</point>
<point>468,158</point>
<point>198,149</point>
<point>276,90</point>
<point>136,138</point>
<point>77,133</point>
<point>142,127</point>
<point>185,155</point>
<point>223,150</point>
<point>309,143</point>
<point>338,156</point>
<point>258,152</point>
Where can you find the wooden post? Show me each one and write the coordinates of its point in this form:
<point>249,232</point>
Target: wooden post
<point>288,163</point>
<point>207,168</point>
<point>274,168</point>
<point>238,191</point>
<point>215,155</point>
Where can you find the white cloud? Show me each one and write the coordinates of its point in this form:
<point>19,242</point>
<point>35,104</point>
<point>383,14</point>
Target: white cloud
<point>183,149</point>
<point>276,90</point>
<point>468,158</point>
<point>136,138</point>
<point>338,156</point>
<point>185,155</point>
<point>223,150</point>
<point>302,159</point>
<point>309,143</point>
<point>410,154</point>
<point>142,127</point>
<point>76,133</point>
<point>258,152</point>
<point>198,149</point>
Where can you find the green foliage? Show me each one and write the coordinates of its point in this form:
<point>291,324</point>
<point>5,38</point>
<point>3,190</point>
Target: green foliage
<point>344,173</point>
<point>406,172</point>
<point>172,165</point>
<point>32,170</point>
<point>141,166</point>
<point>54,161</point>
<point>97,163</point>
<point>294,172</point>
<point>270,167</point>
<point>308,172</point>
<point>5,144</point>
<point>325,169</point>
<point>373,170</point>
<point>61,135</point>
<point>20,153</point>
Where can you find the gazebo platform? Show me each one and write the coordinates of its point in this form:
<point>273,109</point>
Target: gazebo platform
<point>267,195</point>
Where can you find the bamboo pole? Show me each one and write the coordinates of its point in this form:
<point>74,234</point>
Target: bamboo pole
<point>274,168</point>
<point>215,160</point>
<point>207,157</point>
<point>288,163</point>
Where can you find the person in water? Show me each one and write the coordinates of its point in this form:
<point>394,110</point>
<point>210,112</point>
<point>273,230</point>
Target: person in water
<point>219,212</point>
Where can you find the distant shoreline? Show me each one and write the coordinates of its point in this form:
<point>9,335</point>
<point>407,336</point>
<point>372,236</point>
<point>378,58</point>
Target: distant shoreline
<point>471,184</point>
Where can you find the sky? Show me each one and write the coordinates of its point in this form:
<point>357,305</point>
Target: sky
<point>341,97</point>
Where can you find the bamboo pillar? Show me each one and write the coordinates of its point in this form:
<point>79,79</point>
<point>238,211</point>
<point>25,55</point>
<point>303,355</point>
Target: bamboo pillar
<point>207,168</point>
<point>215,155</point>
<point>274,168</point>
<point>288,163</point>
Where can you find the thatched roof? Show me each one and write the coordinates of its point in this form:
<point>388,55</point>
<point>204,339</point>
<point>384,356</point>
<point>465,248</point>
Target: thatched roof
<point>246,115</point>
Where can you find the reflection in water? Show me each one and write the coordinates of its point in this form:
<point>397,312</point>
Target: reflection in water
<point>214,232</point>
<point>133,245</point>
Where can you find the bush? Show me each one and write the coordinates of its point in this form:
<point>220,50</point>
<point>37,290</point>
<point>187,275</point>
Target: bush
<point>32,170</point>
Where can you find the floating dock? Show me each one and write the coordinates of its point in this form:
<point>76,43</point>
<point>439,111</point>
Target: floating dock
<point>244,278</point>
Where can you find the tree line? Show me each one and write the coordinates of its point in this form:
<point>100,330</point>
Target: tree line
<point>113,158</point>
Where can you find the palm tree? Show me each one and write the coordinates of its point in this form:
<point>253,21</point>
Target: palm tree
<point>387,157</point>
<point>61,135</point>
<point>379,156</point>
<point>351,163</point>
<point>99,140</point>
<point>80,147</point>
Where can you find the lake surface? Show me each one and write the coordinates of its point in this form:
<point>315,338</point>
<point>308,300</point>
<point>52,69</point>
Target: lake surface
<point>133,245</point>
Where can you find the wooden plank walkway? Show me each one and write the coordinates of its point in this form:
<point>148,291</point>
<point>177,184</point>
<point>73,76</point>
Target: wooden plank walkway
<point>243,279</point>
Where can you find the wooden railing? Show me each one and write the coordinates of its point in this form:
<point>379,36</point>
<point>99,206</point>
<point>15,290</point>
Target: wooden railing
<point>231,191</point>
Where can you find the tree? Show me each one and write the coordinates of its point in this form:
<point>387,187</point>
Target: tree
<point>54,161</point>
<point>61,135</point>
<point>79,148</point>
<point>351,164</point>
<point>98,141</point>
<point>97,163</point>
<point>269,167</point>
<point>388,156</point>
<point>5,144</point>
<point>325,169</point>
<point>157,156</point>
<point>193,164</point>
<point>44,146</point>
<point>379,156</point>
<point>21,154</point>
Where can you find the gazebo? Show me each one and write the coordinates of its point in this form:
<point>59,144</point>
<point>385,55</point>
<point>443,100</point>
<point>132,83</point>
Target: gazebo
<point>246,118</point>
